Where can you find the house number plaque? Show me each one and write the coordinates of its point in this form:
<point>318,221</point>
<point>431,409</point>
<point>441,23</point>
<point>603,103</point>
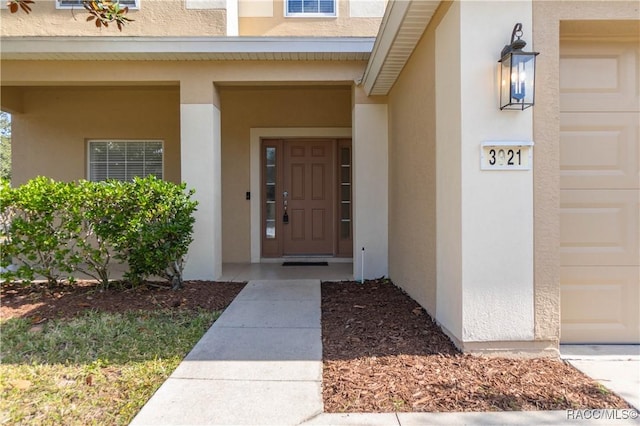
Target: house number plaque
<point>506,155</point>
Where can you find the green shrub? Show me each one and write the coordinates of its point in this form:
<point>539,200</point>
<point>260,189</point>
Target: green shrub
<point>159,230</point>
<point>42,229</point>
<point>53,228</point>
<point>103,218</point>
<point>7,213</point>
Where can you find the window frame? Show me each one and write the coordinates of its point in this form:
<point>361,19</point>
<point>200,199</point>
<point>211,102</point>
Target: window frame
<point>59,5</point>
<point>288,14</point>
<point>88,155</point>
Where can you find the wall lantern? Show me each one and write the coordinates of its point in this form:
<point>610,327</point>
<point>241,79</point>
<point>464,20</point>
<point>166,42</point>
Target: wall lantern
<point>517,73</point>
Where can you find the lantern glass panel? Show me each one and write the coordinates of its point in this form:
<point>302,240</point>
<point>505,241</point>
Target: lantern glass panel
<point>517,80</point>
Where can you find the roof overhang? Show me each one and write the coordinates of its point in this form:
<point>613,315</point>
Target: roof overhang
<point>187,48</point>
<point>402,26</point>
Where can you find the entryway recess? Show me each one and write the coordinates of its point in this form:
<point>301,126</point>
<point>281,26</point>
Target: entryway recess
<point>306,197</point>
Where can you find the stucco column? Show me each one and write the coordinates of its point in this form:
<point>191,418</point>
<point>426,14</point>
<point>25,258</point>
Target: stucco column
<point>484,217</point>
<point>370,188</point>
<point>200,157</point>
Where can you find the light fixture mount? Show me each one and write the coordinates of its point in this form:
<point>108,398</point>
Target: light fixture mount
<point>518,44</point>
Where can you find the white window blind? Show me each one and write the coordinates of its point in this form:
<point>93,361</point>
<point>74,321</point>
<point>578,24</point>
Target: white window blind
<point>66,4</point>
<point>311,7</point>
<point>122,160</point>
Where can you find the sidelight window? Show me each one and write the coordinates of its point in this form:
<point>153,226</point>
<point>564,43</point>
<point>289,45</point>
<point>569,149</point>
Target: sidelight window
<point>345,193</point>
<point>270,192</point>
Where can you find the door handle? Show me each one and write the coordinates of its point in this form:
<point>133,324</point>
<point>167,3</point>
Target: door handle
<point>285,216</point>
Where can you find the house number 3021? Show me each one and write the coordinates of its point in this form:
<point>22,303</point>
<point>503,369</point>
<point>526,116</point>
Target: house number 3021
<point>509,157</point>
<point>501,155</point>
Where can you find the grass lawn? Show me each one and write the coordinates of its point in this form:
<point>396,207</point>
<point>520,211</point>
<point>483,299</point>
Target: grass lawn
<point>96,368</point>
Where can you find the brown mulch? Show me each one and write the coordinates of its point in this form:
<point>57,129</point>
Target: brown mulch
<point>41,303</point>
<point>383,353</point>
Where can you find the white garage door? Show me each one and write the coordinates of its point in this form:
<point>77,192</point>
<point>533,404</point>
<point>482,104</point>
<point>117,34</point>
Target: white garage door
<point>600,191</point>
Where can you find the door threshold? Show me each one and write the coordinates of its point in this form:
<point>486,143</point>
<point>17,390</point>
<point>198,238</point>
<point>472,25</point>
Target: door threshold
<point>306,259</point>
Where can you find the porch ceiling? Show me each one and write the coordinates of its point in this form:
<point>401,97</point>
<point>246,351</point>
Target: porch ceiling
<point>402,27</point>
<point>187,48</point>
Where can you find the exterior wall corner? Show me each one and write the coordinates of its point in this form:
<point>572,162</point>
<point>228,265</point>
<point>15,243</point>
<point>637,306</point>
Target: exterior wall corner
<point>370,191</point>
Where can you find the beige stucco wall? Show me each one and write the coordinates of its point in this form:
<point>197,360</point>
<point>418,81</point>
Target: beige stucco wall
<point>192,85</point>
<point>449,233</point>
<point>412,178</point>
<point>11,98</point>
<point>370,195</point>
<point>548,19</point>
<point>445,198</point>
<point>243,108</point>
<point>174,18</point>
<point>196,76</point>
<point>343,25</point>
<point>497,206</point>
<point>153,18</point>
<point>52,131</point>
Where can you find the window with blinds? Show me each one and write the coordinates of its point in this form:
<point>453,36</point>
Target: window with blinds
<point>123,160</point>
<point>68,4</point>
<point>310,8</point>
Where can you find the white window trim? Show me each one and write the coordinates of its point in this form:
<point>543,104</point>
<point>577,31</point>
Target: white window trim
<point>59,5</point>
<point>88,152</point>
<point>310,15</point>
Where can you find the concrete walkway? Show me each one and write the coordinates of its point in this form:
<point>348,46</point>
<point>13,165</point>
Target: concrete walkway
<point>617,367</point>
<point>261,364</point>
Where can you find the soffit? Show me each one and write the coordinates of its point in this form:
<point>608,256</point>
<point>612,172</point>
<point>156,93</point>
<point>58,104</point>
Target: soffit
<point>187,48</point>
<point>401,29</point>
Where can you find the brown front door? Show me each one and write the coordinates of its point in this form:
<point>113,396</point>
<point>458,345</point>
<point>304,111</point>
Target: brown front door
<point>308,196</point>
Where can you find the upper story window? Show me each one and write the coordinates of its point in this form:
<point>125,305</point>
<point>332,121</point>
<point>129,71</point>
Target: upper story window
<point>68,4</point>
<point>122,160</point>
<point>313,8</point>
